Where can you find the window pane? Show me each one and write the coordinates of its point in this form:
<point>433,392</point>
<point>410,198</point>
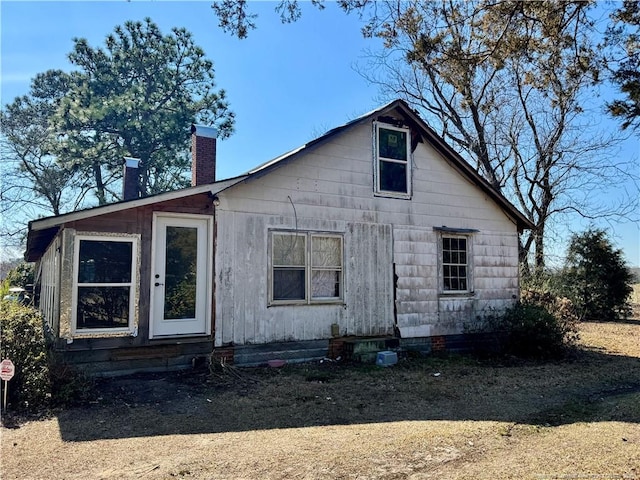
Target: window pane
<point>288,284</point>
<point>288,250</point>
<point>393,144</point>
<point>181,268</point>
<point>454,263</point>
<point>104,261</point>
<point>393,177</point>
<point>325,284</point>
<point>327,251</point>
<point>103,307</point>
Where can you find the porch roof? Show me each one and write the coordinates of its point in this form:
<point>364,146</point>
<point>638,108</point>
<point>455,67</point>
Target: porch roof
<point>43,230</point>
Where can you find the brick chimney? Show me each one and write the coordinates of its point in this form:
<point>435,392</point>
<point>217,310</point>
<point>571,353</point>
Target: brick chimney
<point>130,178</point>
<point>203,154</point>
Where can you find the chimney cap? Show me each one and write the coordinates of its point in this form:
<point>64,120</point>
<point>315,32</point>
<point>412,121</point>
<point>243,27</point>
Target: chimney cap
<point>204,131</point>
<point>131,162</point>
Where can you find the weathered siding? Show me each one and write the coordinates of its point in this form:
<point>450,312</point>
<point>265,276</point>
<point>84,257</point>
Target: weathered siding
<point>49,279</point>
<point>242,312</point>
<point>369,298</point>
<point>330,189</point>
<point>137,221</point>
<point>420,301</point>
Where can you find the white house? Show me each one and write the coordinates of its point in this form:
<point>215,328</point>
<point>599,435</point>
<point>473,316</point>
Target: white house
<point>377,229</point>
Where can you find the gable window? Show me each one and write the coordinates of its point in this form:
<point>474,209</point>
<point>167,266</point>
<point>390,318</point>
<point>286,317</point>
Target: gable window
<point>392,161</point>
<point>105,275</point>
<point>306,268</point>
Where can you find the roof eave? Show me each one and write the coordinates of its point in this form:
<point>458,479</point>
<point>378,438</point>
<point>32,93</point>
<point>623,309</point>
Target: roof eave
<point>45,229</point>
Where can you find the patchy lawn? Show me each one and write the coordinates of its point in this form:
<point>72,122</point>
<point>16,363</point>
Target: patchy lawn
<point>440,418</point>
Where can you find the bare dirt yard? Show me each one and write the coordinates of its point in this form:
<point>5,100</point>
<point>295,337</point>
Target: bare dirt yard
<point>433,418</point>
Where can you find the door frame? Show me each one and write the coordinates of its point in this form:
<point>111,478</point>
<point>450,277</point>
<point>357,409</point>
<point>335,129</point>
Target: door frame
<point>208,274</point>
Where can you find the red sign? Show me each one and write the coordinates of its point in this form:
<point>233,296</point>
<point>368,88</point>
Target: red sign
<point>7,370</point>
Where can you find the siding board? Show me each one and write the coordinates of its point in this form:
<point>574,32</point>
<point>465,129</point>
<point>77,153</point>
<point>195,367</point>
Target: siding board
<point>331,189</point>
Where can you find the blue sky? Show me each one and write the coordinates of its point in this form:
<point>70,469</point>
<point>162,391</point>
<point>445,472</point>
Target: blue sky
<point>286,83</point>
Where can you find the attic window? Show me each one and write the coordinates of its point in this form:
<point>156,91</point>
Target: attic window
<point>392,166</point>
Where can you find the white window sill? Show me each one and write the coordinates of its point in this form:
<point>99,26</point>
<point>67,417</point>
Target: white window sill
<point>458,294</point>
<point>306,304</point>
<point>396,195</point>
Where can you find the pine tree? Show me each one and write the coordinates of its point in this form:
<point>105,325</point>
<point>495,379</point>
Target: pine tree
<point>596,277</point>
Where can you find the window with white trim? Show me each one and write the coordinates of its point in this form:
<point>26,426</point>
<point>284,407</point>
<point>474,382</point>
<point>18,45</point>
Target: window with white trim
<point>455,263</point>
<point>306,267</point>
<point>105,276</point>
<point>392,160</point>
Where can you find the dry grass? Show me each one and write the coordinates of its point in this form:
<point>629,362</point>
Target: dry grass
<point>579,418</point>
<point>635,296</point>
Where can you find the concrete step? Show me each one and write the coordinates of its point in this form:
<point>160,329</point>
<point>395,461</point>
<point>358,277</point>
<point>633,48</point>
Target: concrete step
<point>366,349</point>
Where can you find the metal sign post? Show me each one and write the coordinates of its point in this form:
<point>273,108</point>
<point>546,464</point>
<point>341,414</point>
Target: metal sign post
<point>7,370</point>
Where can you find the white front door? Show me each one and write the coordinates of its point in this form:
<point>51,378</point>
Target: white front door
<point>181,275</point>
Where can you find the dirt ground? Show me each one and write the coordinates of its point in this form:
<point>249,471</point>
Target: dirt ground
<point>436,418</point>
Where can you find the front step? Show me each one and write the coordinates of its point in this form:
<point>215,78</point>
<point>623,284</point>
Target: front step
<point>366,349</point>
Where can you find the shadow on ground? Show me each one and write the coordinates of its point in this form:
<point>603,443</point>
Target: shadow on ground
<point>591,386</point>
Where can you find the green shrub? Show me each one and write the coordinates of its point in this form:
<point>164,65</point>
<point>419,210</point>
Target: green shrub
<point>42,379</point>
<point>596,277</point>
<point>23,343</point>
<point>21,275</point>
<point>539,327</point>
<point>562,308</point>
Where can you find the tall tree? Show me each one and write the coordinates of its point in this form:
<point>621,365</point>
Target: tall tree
<point>596,277</point>
<point>33,179</point>
<point>136,97</point>
<point>624,36</point>
<point>507,82</point>
<point>236,18</point>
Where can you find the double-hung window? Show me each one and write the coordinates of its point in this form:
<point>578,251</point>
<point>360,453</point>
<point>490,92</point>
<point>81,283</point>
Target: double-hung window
<point>306,267</point>
<point>392,160</point>
<point>105,278</point>
<point>455,264</point>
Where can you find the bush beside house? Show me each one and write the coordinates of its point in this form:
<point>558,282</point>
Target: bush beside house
<point>40,379</point>
<point>24,344</point>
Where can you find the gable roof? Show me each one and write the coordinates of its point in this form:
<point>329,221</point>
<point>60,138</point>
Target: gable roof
<point>414,120</point>
<point>42,231</point>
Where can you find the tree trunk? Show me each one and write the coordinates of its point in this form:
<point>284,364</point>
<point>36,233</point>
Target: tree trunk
<point>538,239</point>
<point>97,175</point>
<point>523,258</point>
